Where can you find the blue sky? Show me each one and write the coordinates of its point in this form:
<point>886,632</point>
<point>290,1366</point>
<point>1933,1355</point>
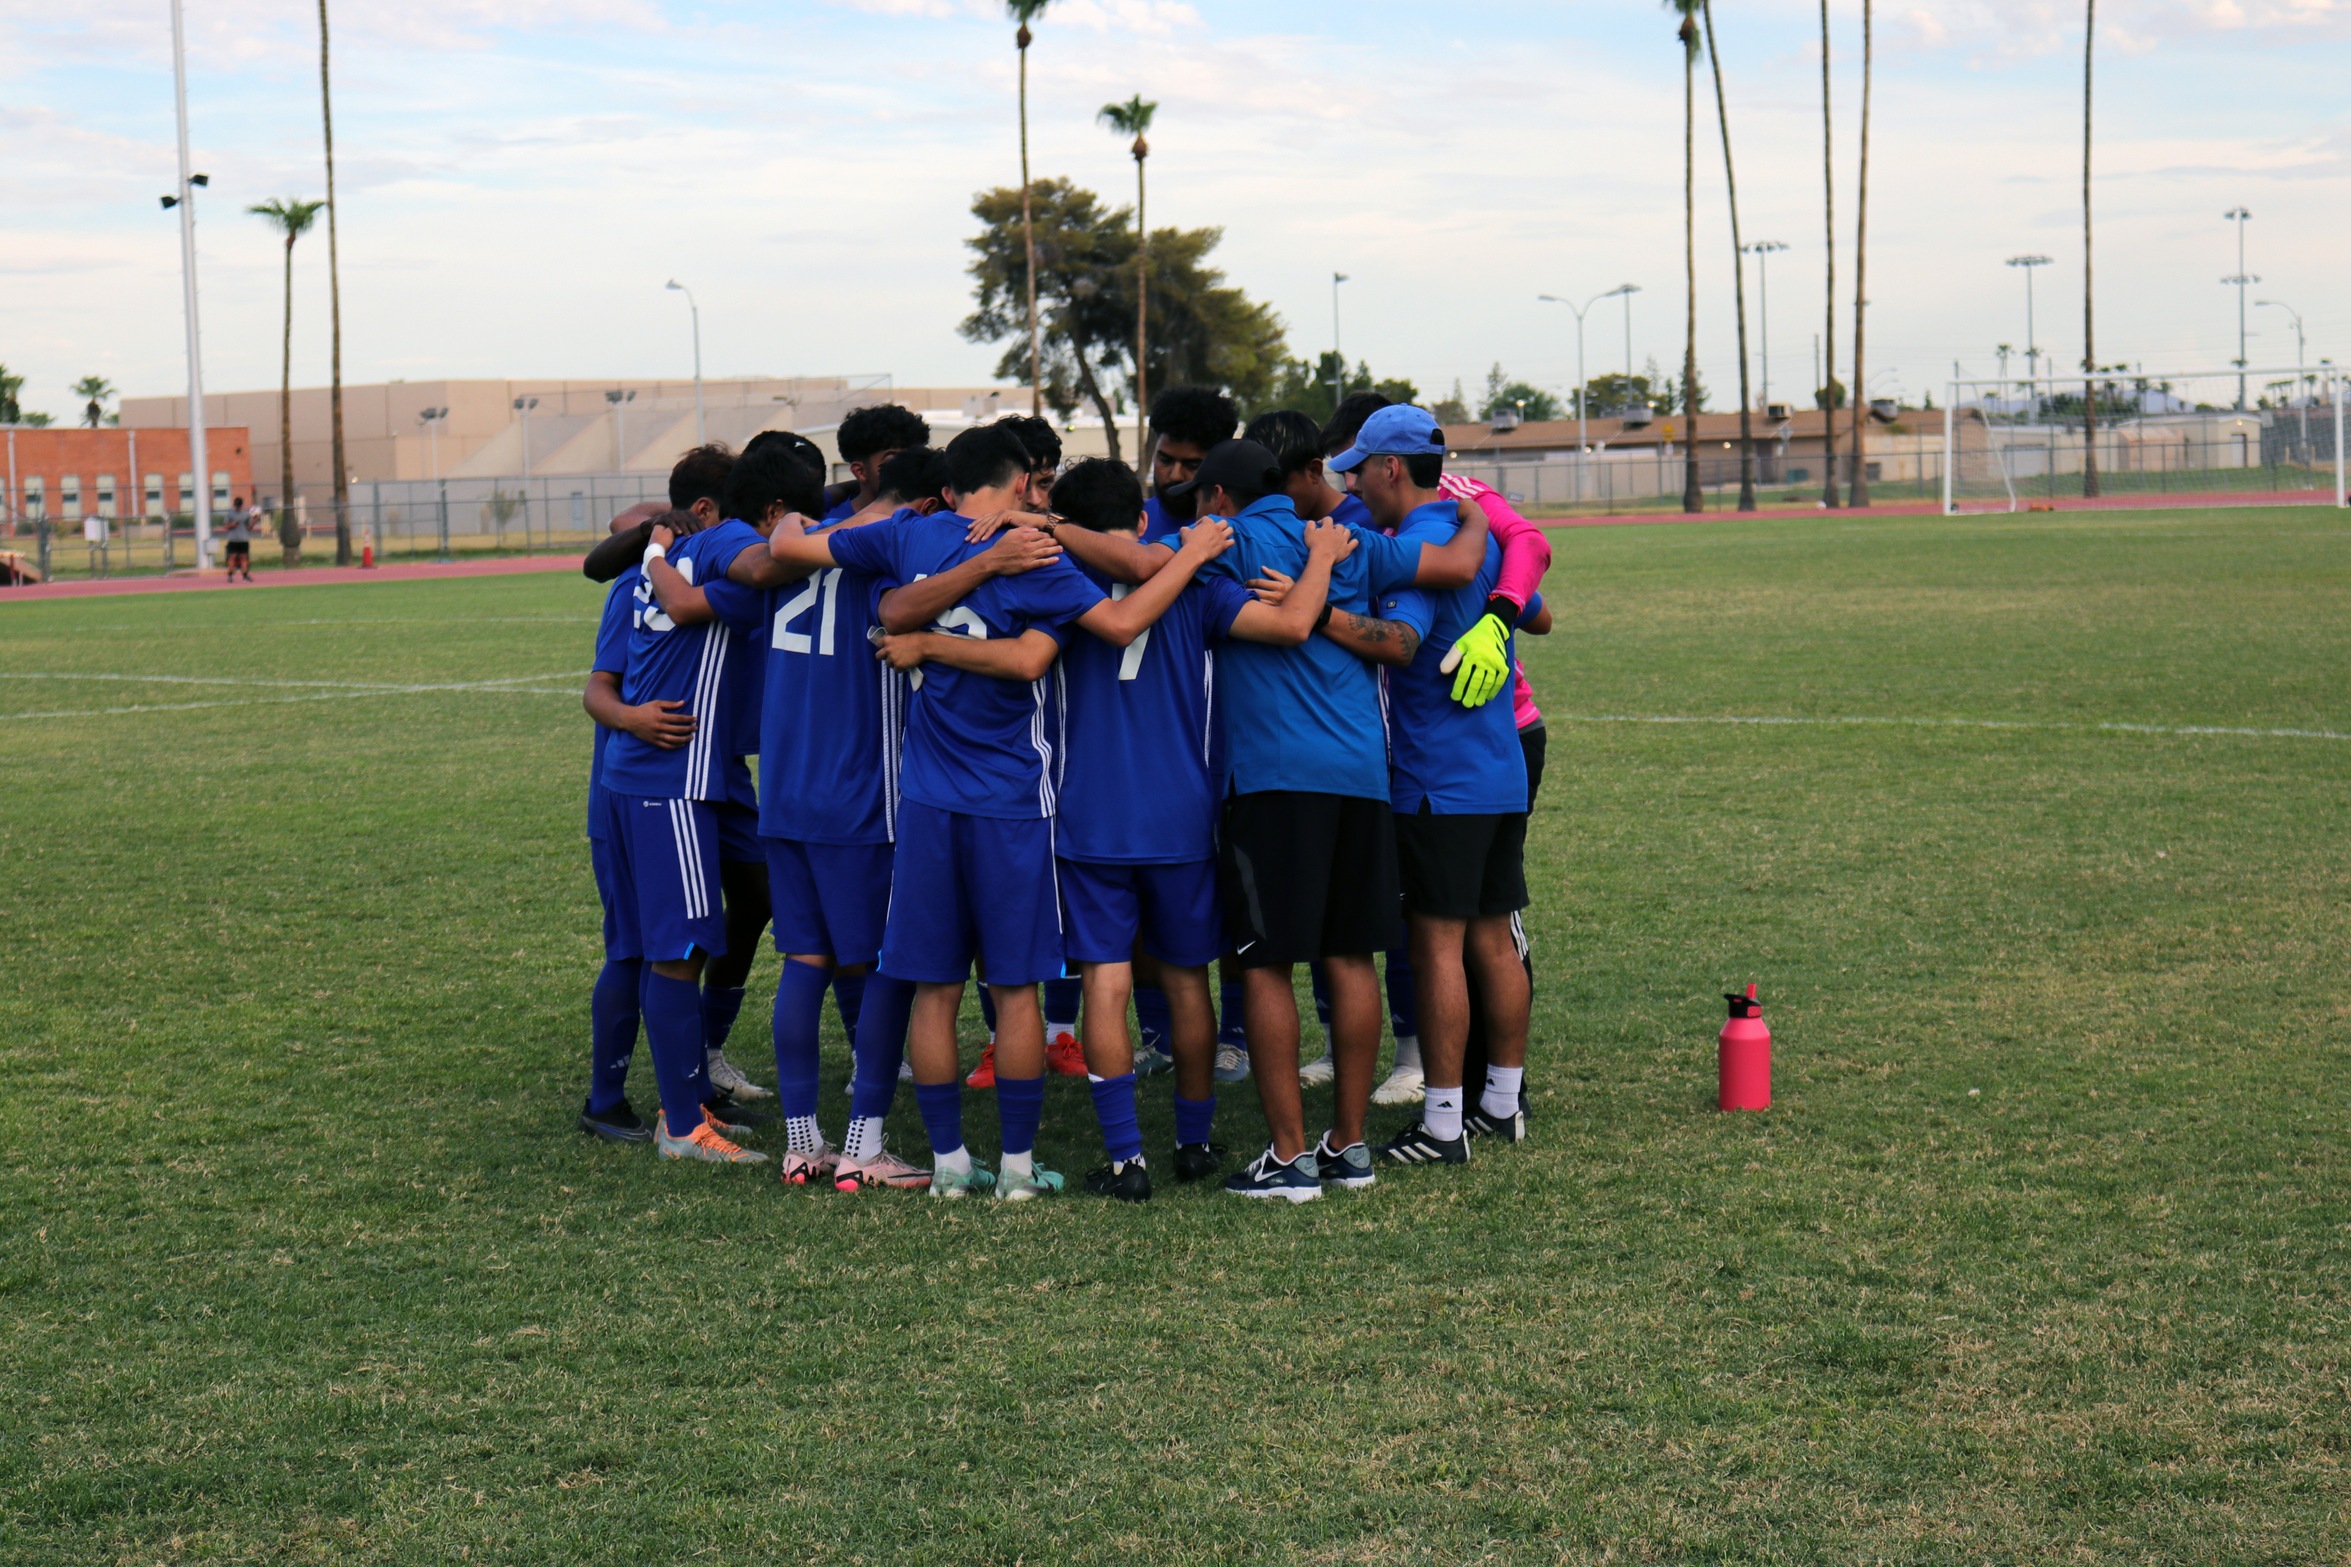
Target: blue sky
<point>519,177</point>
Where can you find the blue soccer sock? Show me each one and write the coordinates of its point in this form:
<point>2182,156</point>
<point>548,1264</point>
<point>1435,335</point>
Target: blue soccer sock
<point>1403,995</point>
<point>612,1032</point>
<point>1151,1018</point>
<point>720,1006</point>
<point>798,1013</point>
<point>1230,1011</point>
<point>1195,1118</point>
<point>881,1045</point>
<point>673,1033</point>
<point>988,1010</point>
<point>1020,1105</point>
<point>942,1115</point>
<point>849,1000</point>
<point>1114,1107</point>
<point>1061,1004</point>
<point>1322,994</point>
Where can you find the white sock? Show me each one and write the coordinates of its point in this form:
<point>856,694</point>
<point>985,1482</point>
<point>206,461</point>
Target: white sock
<point>1407,1052</point>
<point>956,1163</point>
<point>865,1137</point>
<point>1052,1027</point>
<point>801,1134</point>
<point>1441,1113</point>
<point>1501,1095</point>
<point>1014,1168</point>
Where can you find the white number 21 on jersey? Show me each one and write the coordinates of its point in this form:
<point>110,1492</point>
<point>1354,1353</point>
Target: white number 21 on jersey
<point>827,583</point>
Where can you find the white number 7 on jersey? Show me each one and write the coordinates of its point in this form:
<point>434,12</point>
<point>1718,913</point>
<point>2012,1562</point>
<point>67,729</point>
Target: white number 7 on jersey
<point>1130,662</point>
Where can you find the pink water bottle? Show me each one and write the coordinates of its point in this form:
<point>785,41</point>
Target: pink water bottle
<point>1743,1056</point>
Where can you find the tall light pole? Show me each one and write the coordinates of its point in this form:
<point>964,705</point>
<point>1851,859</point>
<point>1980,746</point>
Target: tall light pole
<point>2032,348</point>
<point>185,199</point>
<point>431,419</point>
<point>2273,304</point>
<point>1583,444</point>
<point>1762,250</point>
<point>1628,290</point>
<point>620,450</point>
<point>523,406</point>
<point>2239,216</point>
<point>1339,371</point>
<point>697,314</point>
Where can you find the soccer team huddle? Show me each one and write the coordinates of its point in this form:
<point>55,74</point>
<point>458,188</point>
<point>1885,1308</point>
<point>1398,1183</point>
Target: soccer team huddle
<point>1030,719</point>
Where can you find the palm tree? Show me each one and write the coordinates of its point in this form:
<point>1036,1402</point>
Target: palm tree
<point>326,103</point>
<point>1858,489</point>
<point>1693,498</point>
<point>1722,113</point>
<point>292,217</point>
<point>95,389</point>
<point>1024,12</point>
<point>2089,351</point>
<point>1133,118</point>
<point>1828,215</point>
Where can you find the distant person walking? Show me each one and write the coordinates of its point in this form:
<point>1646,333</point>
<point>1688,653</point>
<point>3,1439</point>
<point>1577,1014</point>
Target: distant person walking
<point>239,539</point>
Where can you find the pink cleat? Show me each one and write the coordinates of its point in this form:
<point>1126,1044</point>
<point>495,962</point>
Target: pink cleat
<point>885,1171</point>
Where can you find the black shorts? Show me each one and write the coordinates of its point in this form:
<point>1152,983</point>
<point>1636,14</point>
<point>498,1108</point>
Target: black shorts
<point>240,549</point>
<point>1462,867</point>
<point>1307,876</point>
<point>1530,742</point>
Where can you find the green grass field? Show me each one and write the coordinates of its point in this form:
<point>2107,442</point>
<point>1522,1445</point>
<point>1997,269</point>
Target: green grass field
<point>2040,1255</point>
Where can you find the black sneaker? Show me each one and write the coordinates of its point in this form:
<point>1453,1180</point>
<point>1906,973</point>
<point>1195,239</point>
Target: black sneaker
<point>1124,1179</point>
<point>1198,1161</point>
<point>735,1112</point>
<point>616,1125</point>
<point>1511,1128</point>
<point>1348,1167</point>
<point>1419,1145</point>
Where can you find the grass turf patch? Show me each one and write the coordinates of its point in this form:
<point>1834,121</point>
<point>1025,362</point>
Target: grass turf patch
<point>2040,1253</point>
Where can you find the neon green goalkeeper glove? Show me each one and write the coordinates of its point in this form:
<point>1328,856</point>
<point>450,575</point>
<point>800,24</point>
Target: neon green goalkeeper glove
<point>1481,661</point>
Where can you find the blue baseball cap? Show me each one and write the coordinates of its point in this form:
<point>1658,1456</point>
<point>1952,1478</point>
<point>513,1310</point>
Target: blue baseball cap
<point>1398,430</point>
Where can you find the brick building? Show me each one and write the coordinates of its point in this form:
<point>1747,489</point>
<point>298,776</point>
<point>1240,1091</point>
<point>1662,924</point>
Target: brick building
<point>65,475</point>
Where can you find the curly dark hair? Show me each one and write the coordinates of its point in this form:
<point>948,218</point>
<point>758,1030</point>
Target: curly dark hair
<point>1197,415</point>
<point>885,427</point>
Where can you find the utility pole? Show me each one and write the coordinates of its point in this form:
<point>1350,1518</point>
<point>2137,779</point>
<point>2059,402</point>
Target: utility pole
<point>185,200</point>
<point>523,406</point>
<point>1339,371</point>
<point>2239,216</point>
<point>1583,441</point>
<point>696,309</point>
<point>1762,250</point>
<point>2032,349</point>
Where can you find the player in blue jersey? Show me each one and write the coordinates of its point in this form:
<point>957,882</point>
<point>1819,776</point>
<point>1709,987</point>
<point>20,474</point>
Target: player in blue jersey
<point>1459,792</point>
<point>867,439</point>
<point>1186,421</point>
<point>1137,832</point>
<point>973,872</point>
<point>612,1006</point>
<point>1309,852</point>
<point>661,814</point>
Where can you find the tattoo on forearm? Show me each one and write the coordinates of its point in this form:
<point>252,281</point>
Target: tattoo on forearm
<point>1369,630</point>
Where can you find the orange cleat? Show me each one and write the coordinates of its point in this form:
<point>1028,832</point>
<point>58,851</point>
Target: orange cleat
<point>706,1144</point>
<point>984,1075</point>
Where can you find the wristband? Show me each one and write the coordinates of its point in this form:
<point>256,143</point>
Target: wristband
<point>655,552</point>
<point>1324,618</point>
<point>1503,610</point>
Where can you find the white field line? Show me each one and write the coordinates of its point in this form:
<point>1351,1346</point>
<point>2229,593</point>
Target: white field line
<point>312,691</point>
<point>1957,723</point>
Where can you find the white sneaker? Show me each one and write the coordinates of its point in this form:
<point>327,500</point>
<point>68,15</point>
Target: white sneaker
<point>1405,1086</point>
<point>725,1074</point>
<point>1232,1064</point>
<point>1317,1072</point>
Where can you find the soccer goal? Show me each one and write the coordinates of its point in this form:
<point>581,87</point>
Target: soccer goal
<point>2235,437</point>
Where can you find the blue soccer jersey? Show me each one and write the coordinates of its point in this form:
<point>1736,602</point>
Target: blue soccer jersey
<point>1354,513</point>
<point>612,658</point>
<point>975,744</point>
<point>1462,761</point>
<point>1137,788</point>
<point>832,715</point>
<point>692,665</point>
<point>1304,718</point>
<point>842,509</point>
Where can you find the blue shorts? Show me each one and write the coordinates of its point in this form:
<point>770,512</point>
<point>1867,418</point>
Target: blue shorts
<point>1171,911</point>
<point>830,899</point>
<point>965,886</point>
<point>663,902</point>
<point>738,834</point>
<point>606,863</point>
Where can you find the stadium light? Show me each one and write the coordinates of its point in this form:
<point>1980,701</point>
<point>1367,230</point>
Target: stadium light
<point>673,283</point>
<point>620,451</point>
<point>184,198</point>
<point>1583,442</point>
<point>1762,250</point>
<point>431,419</point>
<point>2240,216</point>
<point>523,406</point>
<point>2032,348</point>
<point>1339,367</point>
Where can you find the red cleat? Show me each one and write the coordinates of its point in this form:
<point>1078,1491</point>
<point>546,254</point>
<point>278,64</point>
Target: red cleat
<point>1065,1056</point>
<point>984,1075</point>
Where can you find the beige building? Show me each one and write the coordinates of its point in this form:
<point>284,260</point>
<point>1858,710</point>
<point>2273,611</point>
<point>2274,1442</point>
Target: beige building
<point>547,429</point>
